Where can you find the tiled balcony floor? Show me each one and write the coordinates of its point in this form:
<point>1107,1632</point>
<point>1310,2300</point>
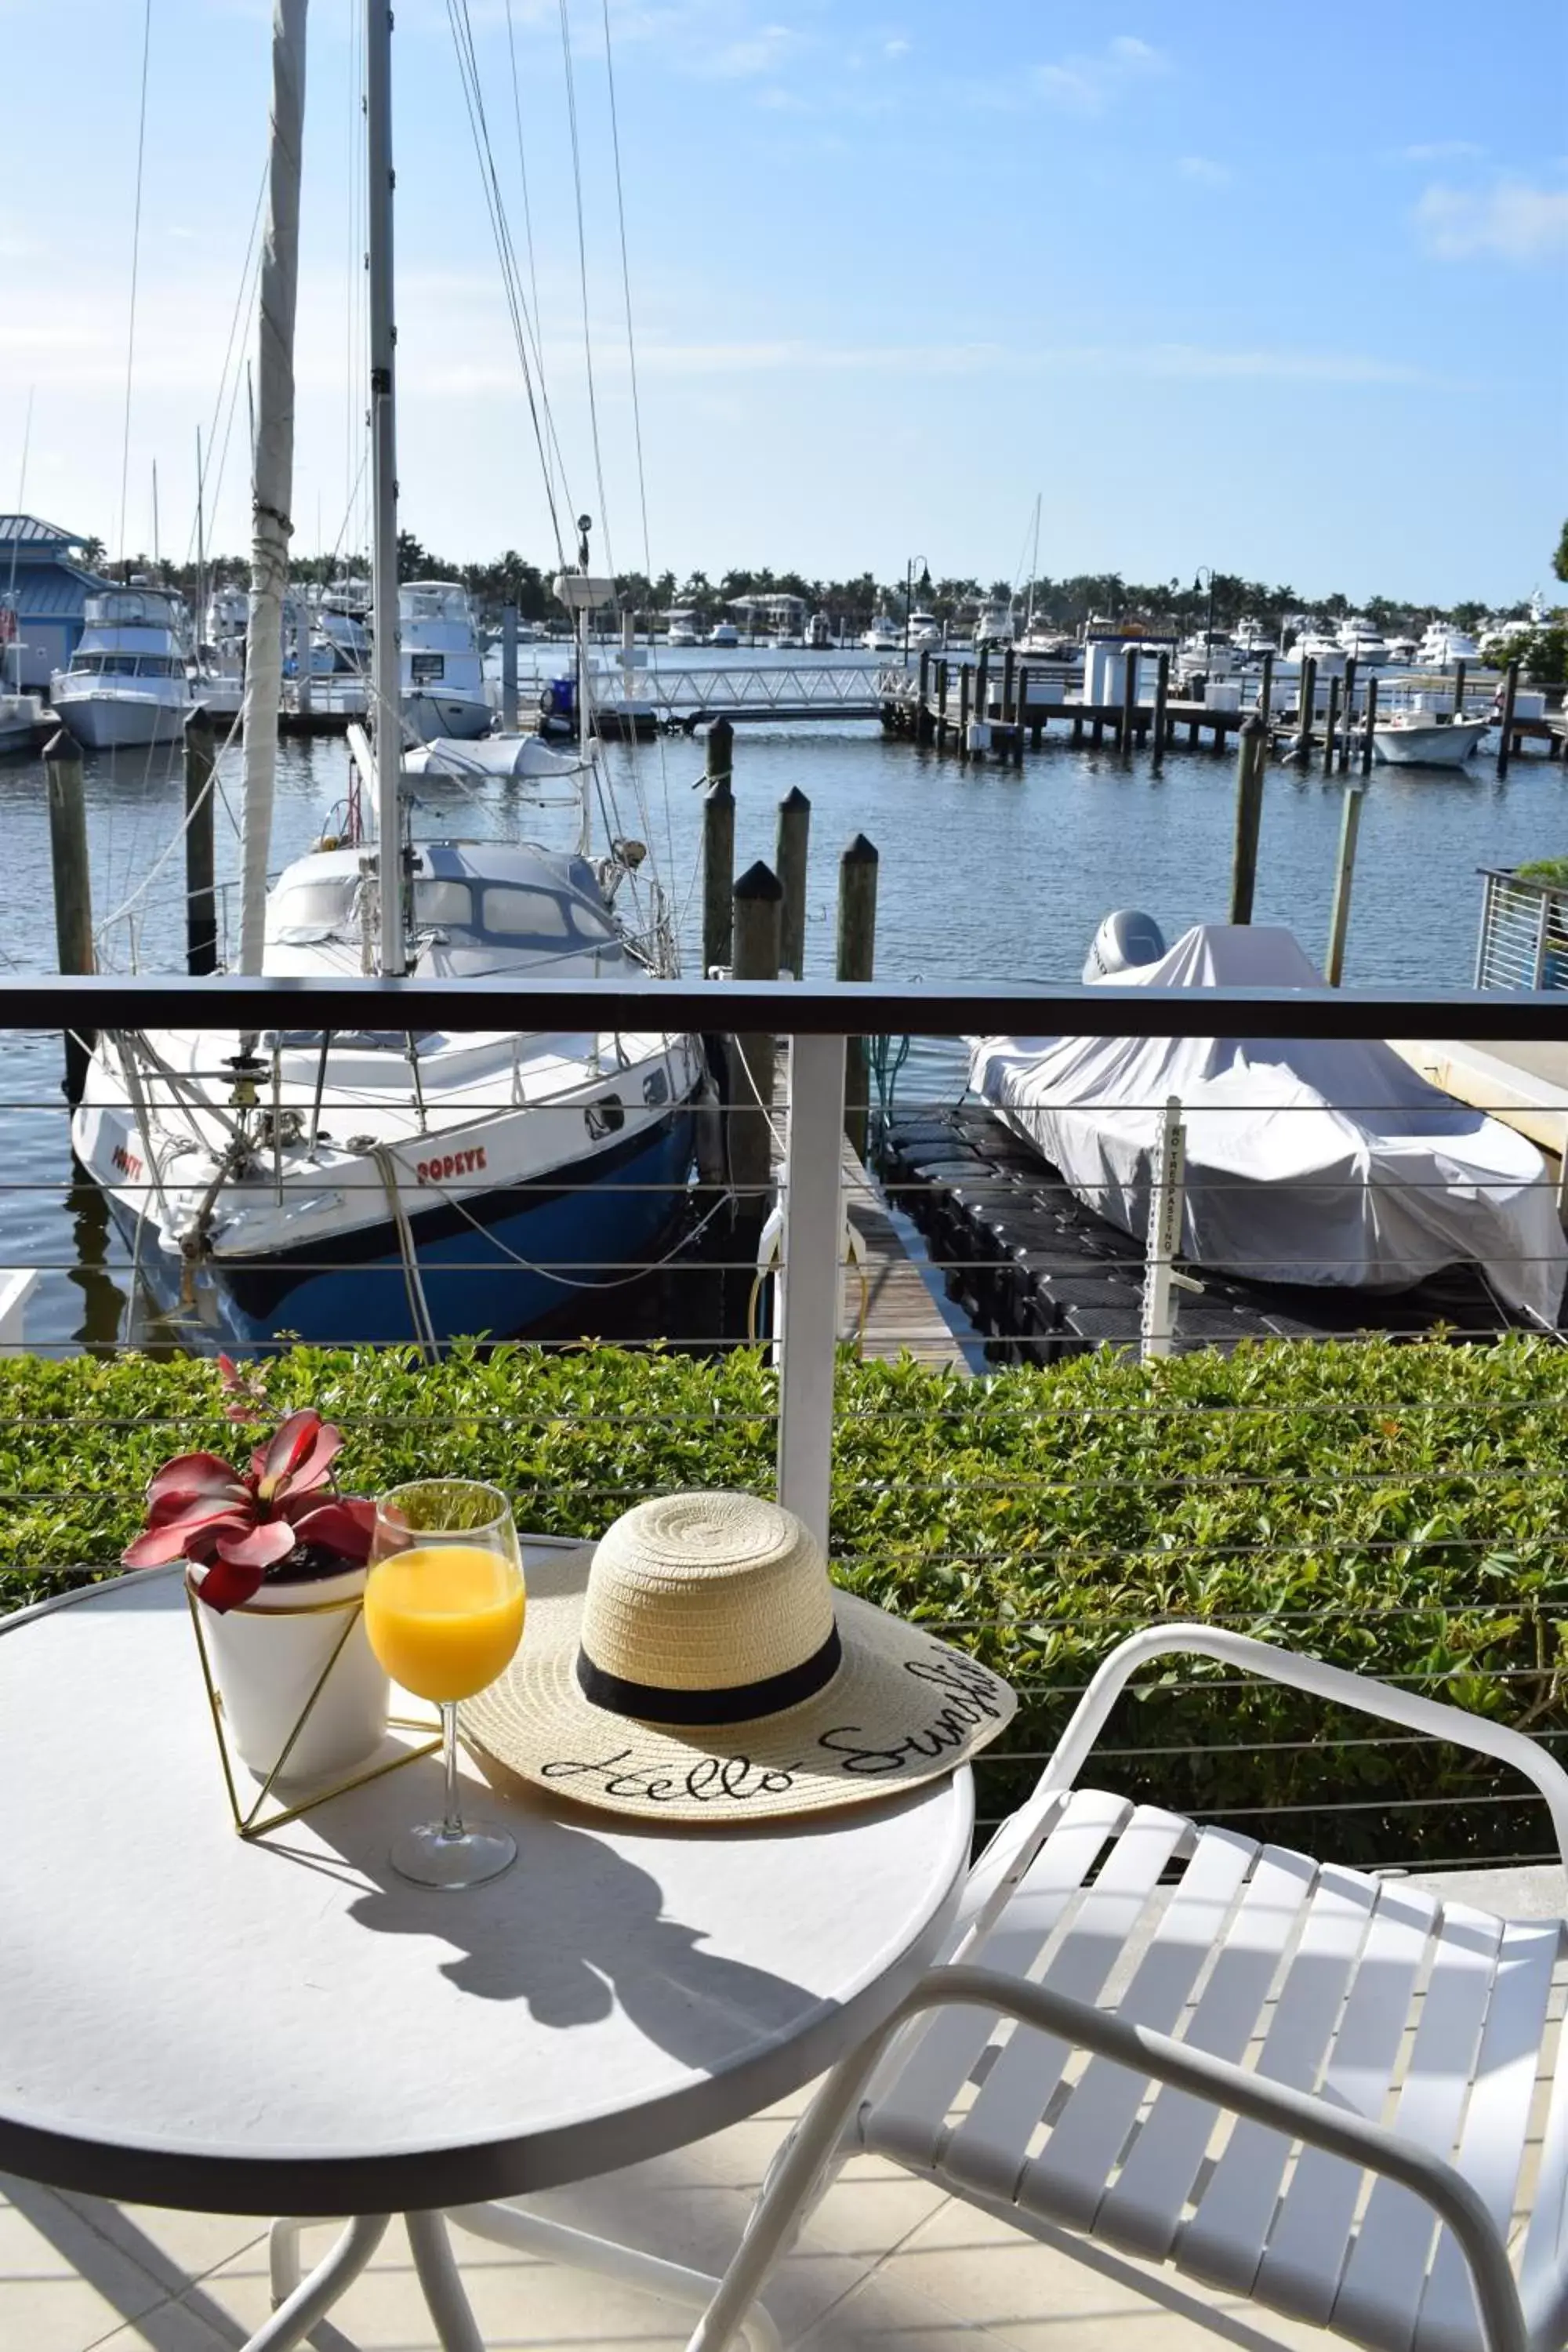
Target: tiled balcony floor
<point>886,2266</point>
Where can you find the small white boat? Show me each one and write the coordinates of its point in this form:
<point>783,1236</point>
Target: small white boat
<point>994,627</point>
<point>127,683</point>
<point>724,633</point>
<point>1419,735</point>
<point>1328,1162</point>
<point>22,723</point>
<point>883,636</point>
<point>925,630</point>
<point>682,628</point>
<point>442,670</point>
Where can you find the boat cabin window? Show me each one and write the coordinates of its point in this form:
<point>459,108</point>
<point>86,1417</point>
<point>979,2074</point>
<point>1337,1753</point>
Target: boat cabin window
<point>450,904</point>
<point>512,913</point>
<point>307,906</point>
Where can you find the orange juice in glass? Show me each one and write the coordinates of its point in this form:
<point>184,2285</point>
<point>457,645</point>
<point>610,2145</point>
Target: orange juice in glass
<point>443,1610</point>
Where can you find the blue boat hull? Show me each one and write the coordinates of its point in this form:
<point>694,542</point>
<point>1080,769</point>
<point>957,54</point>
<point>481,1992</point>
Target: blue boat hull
<point>482,1269</point>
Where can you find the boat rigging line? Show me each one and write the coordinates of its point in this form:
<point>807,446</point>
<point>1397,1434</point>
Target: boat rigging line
<point>135,259</point>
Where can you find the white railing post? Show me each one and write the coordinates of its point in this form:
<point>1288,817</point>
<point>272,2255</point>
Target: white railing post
<point>1166,1200</point>
<point>808,1285</point>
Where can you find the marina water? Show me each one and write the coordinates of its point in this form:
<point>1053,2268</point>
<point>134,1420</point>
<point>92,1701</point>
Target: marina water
<point>988,874</point>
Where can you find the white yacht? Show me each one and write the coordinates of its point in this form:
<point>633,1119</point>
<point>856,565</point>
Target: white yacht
<point>1400,650</point>
<point>1252,640</point>
<point>925,630</point>
<point>1316,646</point>
<point>819,633</point>
<point>883,636</point>
<point>127,681</point>
<point>682,628</point>
<point>442,672</point>
<point>1358,636</point>
<point>994,627</point>
<point>1443,645</point>
<point>342,624</point>
<point>724,633</point>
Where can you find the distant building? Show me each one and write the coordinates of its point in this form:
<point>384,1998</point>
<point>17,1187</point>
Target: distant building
<point>44,588</point>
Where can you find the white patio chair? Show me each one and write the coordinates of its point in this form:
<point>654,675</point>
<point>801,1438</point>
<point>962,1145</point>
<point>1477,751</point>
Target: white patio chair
<point>1302,2084</point>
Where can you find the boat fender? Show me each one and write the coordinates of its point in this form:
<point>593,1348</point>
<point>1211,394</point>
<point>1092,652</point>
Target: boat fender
<point>711,1164</point>
<point>770,1261</point>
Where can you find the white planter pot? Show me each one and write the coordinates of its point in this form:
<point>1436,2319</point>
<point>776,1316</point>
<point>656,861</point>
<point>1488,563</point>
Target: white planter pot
<point>268,1657</point>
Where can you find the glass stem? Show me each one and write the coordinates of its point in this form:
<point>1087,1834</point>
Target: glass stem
<point>452,1826</point>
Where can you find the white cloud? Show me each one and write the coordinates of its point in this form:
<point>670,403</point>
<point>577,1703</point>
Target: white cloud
<point>1442,151</point>
<point>1204,171</point>
<point>896,48</point>
<point>1512,221</point>
<point>763,53</point>
<point>1087,82</point>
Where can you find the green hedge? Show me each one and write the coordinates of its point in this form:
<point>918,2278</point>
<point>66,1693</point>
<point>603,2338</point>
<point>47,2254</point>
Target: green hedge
<point>1398,1509</point>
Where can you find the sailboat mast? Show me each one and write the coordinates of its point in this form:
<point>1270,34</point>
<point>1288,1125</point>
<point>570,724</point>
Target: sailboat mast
<point>385,691</point>
<point>272,469</point>
<point>201,547</point>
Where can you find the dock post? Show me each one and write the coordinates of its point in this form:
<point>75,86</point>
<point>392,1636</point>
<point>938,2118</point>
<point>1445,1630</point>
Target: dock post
<point>1008,661</point>
<point>758,909</point>
<point>1266,691</point>
<point>1339,914</point>
<point>302,660</point>
<point>1348,713</point>
<point>201,904</point>
<point>981,707</point>
<point>1331,727</point>
<point>1458,689</point>
<point>718,872</point>
<point>1128,699</point>
<point>1369,727</point>
<point>964,713</point>
<point>1307,695</point>
<point>73,887</point>
<point>1511,688</point>
<point>941,704</point>
<point>1162,697</point>
<point>508,668</point>
<point>921,722</point>
<point>1020,707</point>
<point>790,862</point>
<point>856,959</point>
<point>1251,743</point>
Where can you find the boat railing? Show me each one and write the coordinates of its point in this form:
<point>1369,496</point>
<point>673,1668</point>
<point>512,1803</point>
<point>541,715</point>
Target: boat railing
<point>1354,1494</point>
<point>1524,938</point>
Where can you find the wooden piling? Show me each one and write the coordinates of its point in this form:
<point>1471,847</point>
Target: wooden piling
<point>1458,689</point>
<point>1128,699</point>
<point>201,901</point>
<point>1369,726</point>
<point>1020,706</point>
<point>790,862</point>
<point>73,887</point>
<point>1308,711</point>
<point>758,915</point>
<point>964,713</point>
<point>1331,727</point>
<point>941,704</point>
<point>718,872</point>
<point>1251,745</point>
<point>1008,661</point>
<point>1162,698</point>
<point>508,668</point>
<point>1347,714</point>
<point>921,723</point>
<point>1339,914</point>
<point>1511,688</point>
<point>857,955</point>
<point>302,661</point>
<point>721,754</point>
<point>1266,691</point>
<point>982,703</point>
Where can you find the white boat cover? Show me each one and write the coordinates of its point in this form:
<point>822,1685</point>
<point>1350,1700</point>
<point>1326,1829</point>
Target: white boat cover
<point>526,756</point>
<point>1308,1160</point>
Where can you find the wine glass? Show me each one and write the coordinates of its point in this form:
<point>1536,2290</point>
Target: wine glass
<point>443,1610</point>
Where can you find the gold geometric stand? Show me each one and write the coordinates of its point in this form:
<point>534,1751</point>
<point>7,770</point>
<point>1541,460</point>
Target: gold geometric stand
<point>251,1825</point>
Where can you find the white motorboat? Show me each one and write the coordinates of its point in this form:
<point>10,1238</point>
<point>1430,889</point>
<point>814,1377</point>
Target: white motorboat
<point>22,723</point>
<point>1365,644</point>
<point>1316,646</point>
<point>1443,645</point>
<point>925,631</point>
<point>127,683</point>
<point>342,624</point>
<point>1308,1161</point>
<point>682,628</point>
<point>1419,734</point>
<point>442,669</point>
<point>819,633</point>
<point>994,627</point>
<point>883,636</point>
<point>724,633</point>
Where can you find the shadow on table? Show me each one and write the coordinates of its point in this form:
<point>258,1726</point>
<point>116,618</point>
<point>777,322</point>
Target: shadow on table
<point>573,1929</point>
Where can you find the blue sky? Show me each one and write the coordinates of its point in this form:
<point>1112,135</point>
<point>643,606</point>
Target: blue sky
<point>1226,283</point>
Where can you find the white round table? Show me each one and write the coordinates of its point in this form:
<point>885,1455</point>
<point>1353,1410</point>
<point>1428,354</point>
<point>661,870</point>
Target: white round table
<point>285,2026</point>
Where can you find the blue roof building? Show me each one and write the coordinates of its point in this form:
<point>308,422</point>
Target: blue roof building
<point>44,581</point>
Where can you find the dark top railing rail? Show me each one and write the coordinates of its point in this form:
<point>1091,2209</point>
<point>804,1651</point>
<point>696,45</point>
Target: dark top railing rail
<point>111,1001</point>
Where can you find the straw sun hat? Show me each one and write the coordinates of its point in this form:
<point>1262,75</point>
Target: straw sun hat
<point>697,1664</point>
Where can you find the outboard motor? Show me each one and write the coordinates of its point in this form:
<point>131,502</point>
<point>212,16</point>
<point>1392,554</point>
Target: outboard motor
<point>1124,939</point>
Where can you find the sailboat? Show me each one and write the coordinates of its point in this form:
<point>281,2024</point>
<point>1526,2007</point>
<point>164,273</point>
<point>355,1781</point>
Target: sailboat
<point>388,1184</point>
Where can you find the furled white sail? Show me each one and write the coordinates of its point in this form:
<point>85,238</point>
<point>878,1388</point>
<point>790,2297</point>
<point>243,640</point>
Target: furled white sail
<point>272,475</point>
